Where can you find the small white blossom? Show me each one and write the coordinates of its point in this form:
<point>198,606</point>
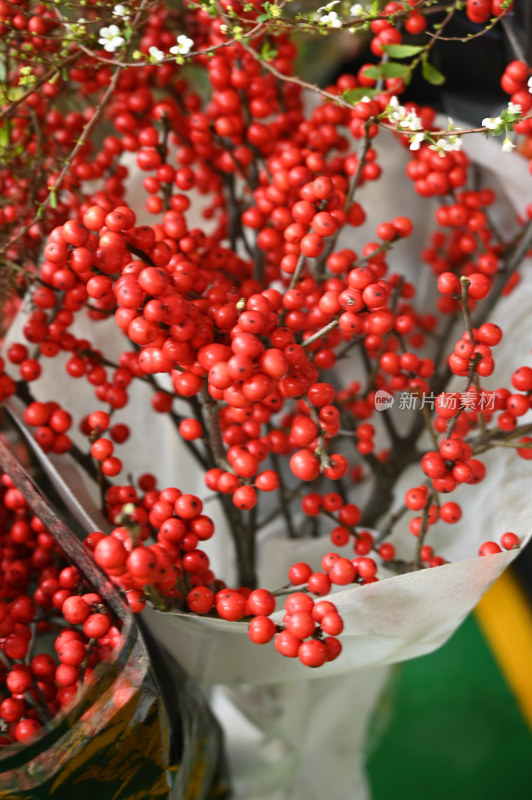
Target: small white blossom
<point>491,123</point>
<point>447,144</point>
<point>156,54</point>
<point>415,141</point>
<point>412,122</point>
<point>121,11</point>
<point>356,10</point>
<point>183,47</point>
<point>514,108</point>
<point>331,19</point>
<point>110,38</point>
<point>529,84</point>
<point>407,120</point>
<point>507,146</point>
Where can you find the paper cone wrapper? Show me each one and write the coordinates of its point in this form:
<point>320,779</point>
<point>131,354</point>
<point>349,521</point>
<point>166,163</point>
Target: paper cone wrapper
<point>399,617</point>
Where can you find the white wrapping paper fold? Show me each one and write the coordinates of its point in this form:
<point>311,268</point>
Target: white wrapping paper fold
<point>393,620</point>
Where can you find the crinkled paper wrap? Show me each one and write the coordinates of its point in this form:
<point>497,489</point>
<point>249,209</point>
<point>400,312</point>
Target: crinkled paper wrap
<point>386,622</point>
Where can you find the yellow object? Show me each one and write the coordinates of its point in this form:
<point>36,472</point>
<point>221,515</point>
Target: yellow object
<point>505,618</point>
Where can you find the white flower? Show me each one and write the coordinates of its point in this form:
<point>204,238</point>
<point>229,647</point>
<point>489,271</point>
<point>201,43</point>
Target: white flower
<point>514,108</point>
<point>121,11</point>
<point>453,143</point>
<point>331,20</point>
<point>491,123</point>
<point>110,38</point>
<point>529,84</point>
<point>412,122</point>
<point>507,146</point>
<point>415,141</point>
<point>183,47</point>
<point>447,144</point>
<point>407,120</point>
<point>156,54</point>
<point>356,10</point>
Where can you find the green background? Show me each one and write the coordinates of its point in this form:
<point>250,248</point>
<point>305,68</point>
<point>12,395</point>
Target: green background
<point>448,728</point>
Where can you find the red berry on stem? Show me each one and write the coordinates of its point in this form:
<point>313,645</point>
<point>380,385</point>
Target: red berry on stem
<point>287,644</point>
<point>312,653</point>
<point>510,541</point>
<point>261,630</point>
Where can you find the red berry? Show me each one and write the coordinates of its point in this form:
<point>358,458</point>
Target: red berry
<point>26,730</point>
<point>342,572</point>
<point>200,600</point>
<point>312,653</point>
<point>287,644</point>
<point>75,610</point>
<point>332,623</point>
<point>334,647</point>
<point>510,541</point>
<point>261,630</point>
<point>96,626</point>
<point>488,549</point>
<point>72,652</point>
<point>450,512</point>
<point>299,573</point>
<point>305,465</point>
<point>261,602</point>
<point>319,583</point>
<point>230,604</point>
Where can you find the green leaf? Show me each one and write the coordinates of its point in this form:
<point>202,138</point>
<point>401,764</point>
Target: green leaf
<point>402,50</point>
<point>4,137</point>
<point>389,70</point>
<point>394,70</point>
<point>355,95</point>
<point>375,72</point>
<point>431,74</point>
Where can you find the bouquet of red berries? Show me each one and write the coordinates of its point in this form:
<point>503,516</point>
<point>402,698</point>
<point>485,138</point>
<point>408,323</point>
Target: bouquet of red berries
<point>268,338</point>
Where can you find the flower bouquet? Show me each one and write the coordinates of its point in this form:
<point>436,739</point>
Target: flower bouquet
<point>257,331</point>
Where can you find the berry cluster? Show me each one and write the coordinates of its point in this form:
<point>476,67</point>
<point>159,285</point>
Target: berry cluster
<point>239,327</point>
<point>481,11</point>
<point>43,600</point>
